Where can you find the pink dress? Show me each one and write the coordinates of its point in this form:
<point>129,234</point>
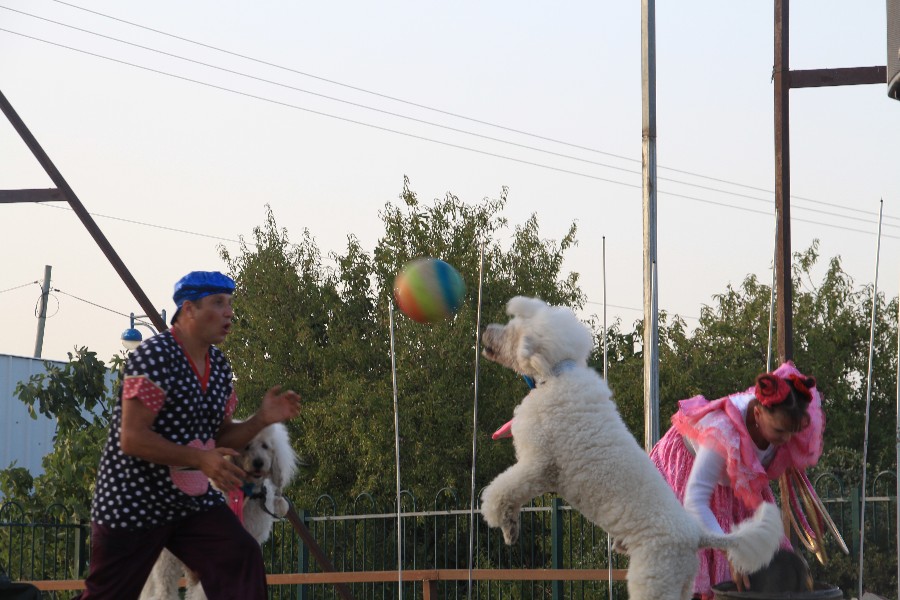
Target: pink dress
<point>723,429</point>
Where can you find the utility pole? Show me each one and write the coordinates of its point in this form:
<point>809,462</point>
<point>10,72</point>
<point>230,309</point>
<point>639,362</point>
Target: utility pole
<point>648,151</point>
<point>785,80</point>
<point>783,286</point>
<point>42,314</point>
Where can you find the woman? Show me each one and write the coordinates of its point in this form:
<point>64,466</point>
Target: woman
<point>719,456</point>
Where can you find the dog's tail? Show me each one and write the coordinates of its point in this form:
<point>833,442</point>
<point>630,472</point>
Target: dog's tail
<point>751,545</point>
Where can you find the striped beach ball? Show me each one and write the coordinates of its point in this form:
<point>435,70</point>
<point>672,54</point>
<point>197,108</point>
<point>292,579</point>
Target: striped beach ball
<point>428,290</point>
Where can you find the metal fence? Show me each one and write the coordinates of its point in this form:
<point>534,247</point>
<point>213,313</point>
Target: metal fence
<point>363,536</point>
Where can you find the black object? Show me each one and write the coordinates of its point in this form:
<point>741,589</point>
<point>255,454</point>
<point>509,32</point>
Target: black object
<point>821,591</point>
<point>893,48</point>
<point>16,591</point>
<point>786,572</point>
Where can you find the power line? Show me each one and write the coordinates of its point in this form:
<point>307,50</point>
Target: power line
<point>154,225</point>
<point>18,287</point>
<point>106,308</point>
<point>423,138</point>
<point>371,108</point>
<point>422,121</point>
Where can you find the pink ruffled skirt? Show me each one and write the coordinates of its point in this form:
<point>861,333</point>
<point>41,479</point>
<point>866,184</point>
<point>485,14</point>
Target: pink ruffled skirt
<point>674,460</point>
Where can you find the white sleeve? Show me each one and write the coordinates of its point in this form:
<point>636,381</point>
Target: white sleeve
<point>705,476</point>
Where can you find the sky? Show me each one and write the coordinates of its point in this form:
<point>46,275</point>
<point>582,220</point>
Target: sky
<point>176,123</point>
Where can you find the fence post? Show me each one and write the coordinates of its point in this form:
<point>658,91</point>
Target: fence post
<point>81,555</point>
<point>855,514</point>
<point>556,553</point>
<point>302,590</point>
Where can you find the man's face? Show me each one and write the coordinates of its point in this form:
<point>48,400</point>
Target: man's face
<point>212,316</point>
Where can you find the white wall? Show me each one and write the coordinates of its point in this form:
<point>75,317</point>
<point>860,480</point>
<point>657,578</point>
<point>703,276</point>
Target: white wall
<point>22,439</point>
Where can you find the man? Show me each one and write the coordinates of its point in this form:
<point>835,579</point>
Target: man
<point>171,434</point>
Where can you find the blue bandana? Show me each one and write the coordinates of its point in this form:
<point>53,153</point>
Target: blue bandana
<point>199,284</point>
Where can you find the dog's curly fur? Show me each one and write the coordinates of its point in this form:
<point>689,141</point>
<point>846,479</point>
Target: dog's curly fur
<point>570,439</point>
<point>270,463</point>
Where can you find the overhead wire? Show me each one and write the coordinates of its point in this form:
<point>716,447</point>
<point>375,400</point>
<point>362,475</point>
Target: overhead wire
<point>399,115</point>
<point>154,225</point>
<point>445,112</point>
<point>18,287</point>
<point>415,136</point>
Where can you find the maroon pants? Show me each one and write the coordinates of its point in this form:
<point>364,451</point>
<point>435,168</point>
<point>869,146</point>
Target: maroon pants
<point>226,558</point>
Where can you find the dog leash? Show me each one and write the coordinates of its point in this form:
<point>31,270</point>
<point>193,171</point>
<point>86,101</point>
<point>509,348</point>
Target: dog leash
<point>260,495</point>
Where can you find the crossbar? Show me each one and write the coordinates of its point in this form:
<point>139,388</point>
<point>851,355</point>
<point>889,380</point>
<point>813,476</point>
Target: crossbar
<point>423,575</point>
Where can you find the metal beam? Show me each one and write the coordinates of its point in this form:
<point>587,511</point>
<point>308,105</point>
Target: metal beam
<point>833,77</point>
<point>48,195</point>
<point>82,213</point>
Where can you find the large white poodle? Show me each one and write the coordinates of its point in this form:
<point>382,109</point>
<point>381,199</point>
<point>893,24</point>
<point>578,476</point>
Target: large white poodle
<point>270,463</point>
<point>570,439</point>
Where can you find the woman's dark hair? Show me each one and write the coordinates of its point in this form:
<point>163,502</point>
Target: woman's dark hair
<point>795,404</point>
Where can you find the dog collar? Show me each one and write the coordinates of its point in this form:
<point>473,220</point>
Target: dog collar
<point>247,489</point>
<point>558,369</point>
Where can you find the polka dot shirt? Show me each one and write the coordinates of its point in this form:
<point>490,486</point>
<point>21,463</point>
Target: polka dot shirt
<point>134,494</point>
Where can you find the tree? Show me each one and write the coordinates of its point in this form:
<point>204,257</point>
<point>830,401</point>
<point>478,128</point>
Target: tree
<point>326,332</point>
<point>728,348</point>
<point>76,395</point>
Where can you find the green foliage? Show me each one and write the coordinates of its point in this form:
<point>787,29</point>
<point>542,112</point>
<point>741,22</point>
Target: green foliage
<point>325,331</point>
<point>76,396</point>
<point>321,325</point>
<point>728,349</point>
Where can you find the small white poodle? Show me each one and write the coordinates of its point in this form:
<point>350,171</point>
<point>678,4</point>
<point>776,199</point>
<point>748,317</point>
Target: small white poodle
<point>270,463</point>
<point>570,439</point>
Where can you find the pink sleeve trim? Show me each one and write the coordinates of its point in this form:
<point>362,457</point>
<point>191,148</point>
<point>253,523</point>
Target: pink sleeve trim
<point>231,405</point>
<point>150,394</point>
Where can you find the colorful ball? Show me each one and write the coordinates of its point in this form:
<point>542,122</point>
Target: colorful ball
<point>428,290</point>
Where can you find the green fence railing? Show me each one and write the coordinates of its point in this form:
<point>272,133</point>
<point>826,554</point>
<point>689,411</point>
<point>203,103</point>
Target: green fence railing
<point>362,536</point>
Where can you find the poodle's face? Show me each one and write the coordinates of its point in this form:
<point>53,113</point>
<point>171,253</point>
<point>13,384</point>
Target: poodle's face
<point>537,338</point>
<point>501,345</point>
<point>257,458</point>
<point>269,455</point>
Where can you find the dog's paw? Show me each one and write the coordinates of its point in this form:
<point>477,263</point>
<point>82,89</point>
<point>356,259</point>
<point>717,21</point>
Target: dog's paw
<point>511,532</point>
<point>279,506</point>
<point>490,508</point>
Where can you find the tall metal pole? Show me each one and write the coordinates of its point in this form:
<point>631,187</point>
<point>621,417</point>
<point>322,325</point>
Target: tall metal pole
<point>898,435</point>
<point>396,451</point>
<point>475,419</point>
<point>648,152</point>
<point>781,76</point>
<point>609,565</point>
<point>42,313</point>
<point>865,450</point>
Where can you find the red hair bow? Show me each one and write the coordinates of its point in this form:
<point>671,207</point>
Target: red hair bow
<point>803,385</point>
<point>771,390</point>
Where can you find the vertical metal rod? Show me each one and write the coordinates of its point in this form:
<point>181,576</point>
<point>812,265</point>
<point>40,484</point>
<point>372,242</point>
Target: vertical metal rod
<point>648,150</point>
<point>609,567</point>
<point>898,436</point>
<point>475,420</point>
<point>396,452</point>
<point>42,313</point>
<point>781,77</point>
<point>86,218</point>
<point>862,518</point>
<point>772,299</point>
<point>605,344</point>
